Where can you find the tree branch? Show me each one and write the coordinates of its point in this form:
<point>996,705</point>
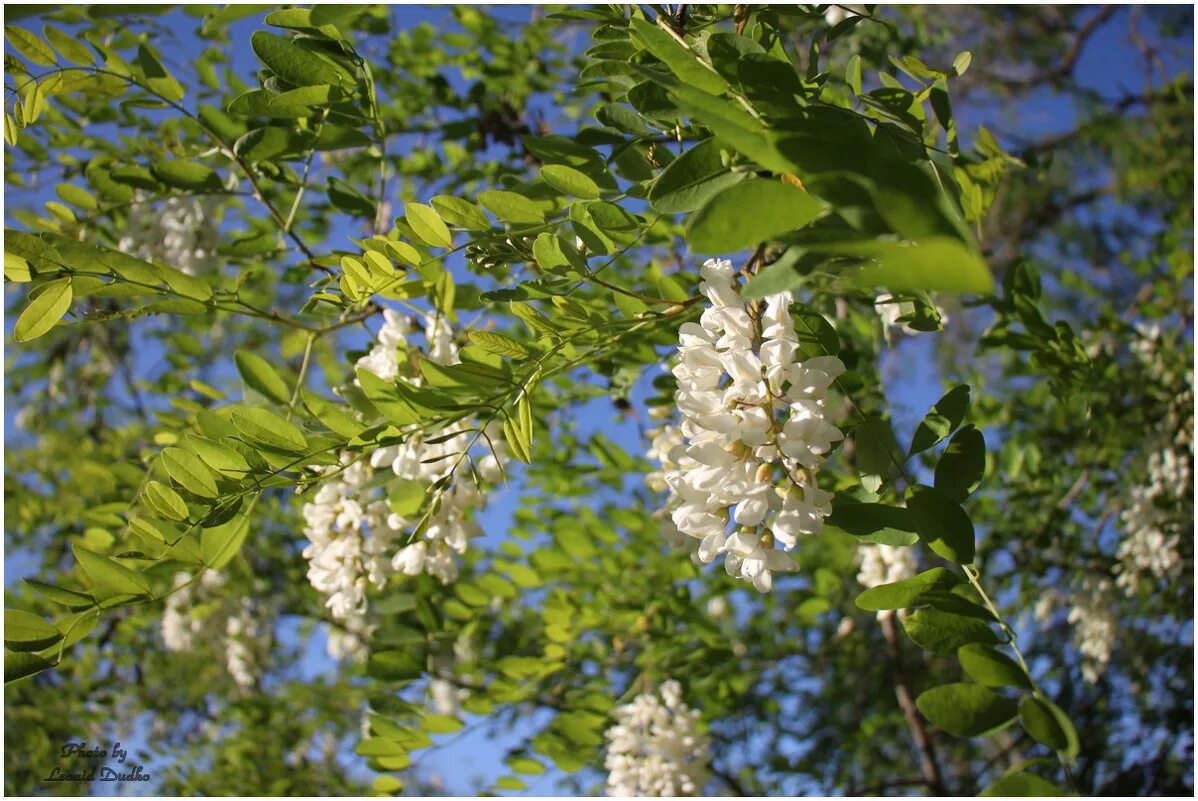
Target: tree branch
<point>928,765</point>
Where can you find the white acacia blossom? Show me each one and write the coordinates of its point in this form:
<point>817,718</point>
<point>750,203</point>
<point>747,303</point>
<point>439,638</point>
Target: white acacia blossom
<point>1095,625</point>
<point>655,748</point>
<point>196,612</point>
<point>1158,512</point>
<point>349,539</point>
<point>754,432</point>
<point>357,540</point>
<point>182,232</point>
<point>242,637</point>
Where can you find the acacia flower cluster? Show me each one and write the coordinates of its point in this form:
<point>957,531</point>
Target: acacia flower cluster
<point>195,612</point>
<point>182,232</point>
<point>357,539</point>
<point>655,748</point>
<point>754,432</point>
<point>1157,512</point>
<point>1095,625</point>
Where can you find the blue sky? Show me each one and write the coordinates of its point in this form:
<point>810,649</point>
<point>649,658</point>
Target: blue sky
<point>912,380</point>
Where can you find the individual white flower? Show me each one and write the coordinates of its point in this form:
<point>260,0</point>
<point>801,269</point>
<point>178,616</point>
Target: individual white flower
<point>717,607</point>
<point>655,747</point>
<point>1095,626</point>
<point>753,435</point>
<point>182,232</point>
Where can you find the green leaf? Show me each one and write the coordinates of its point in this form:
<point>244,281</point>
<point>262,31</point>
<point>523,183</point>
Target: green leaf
<point>393,666</point>
<point>331,415</point>
<point>30,46</point>
<point>407,496</point>
<point>427,225</point>
<point>220,458</point>
<point>71,48</point>
<point>516,440</point>
<point>510,783</point>
<point>165,501</point>
<point>441,724</point>
<point>991,668</point>
<point>27,632</point>
<point>876,447</point>
<point>499,344</point>
<point>189,472</point>
<point>294,64</point>
<point>852,74</point>
<point>875,522</point>
<point>157,78</point>
<point>511,207</point>
<point>260,376</point>
<point>186,175</point>
<point>60,595</point>
<point>19,665</point>
<point>682,61</point>
<point>942,524</point>
<point>937,263</point>
<point>526,765</point>
<point>944,632</point>
<point>750,213</point>
<point>1048,724</point>
<point>1022,785</point>
<point>459,212</point>
<point>44,311</point>
<point>966,710</point>
<point>266,427</point>
<point>961,62</point>
<point>962,465</point>
<point>908,592</point>
<point>219,544</point>
<point>569,181</point>
<point>944,418</point>
<point>690,180</point>
<point>110,574</point>
<point>379,747</point>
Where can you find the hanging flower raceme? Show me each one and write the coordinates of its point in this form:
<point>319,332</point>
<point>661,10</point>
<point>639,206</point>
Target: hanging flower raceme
<point>182,232</point>
<point>754,432</point>
<point>1157,512</point>
<point>655,748</point>
<point>196,613</point>
<point>1095,625</point>
<point>358,539</point>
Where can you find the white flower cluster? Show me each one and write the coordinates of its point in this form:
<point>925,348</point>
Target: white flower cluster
<point>754,432</point>
<point>1157,513</point>
<point>655,748</point>
<point>353,531</point>
<point>182,232</point>
<point>243,635</point>
<point>885,564</point>
<point>349,538</point>
<point>1095,625</point>
<point>194,612</point>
